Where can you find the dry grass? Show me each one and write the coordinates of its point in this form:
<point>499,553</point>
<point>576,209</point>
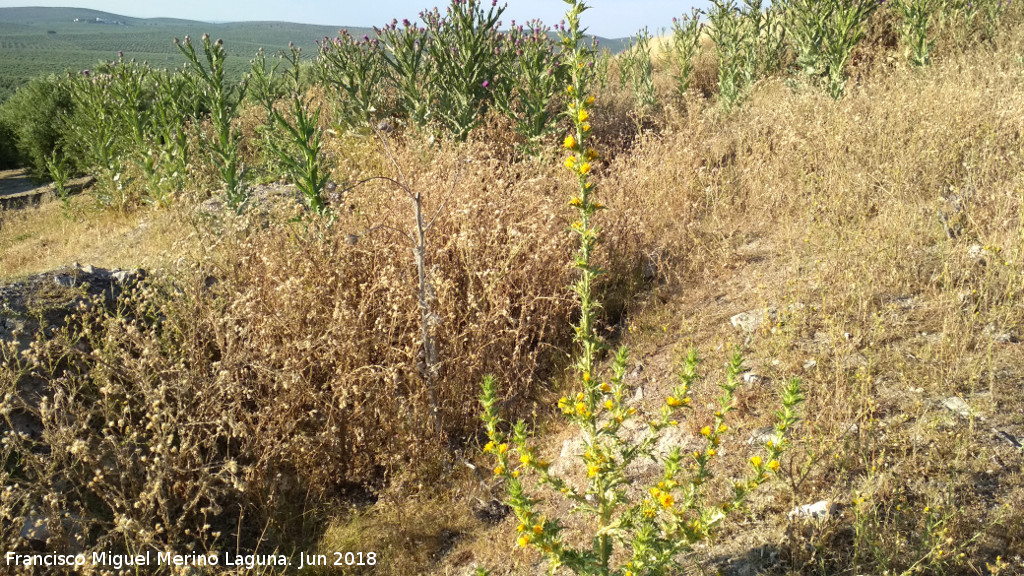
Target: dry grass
<point>38,239</point>
<point>831,213</point>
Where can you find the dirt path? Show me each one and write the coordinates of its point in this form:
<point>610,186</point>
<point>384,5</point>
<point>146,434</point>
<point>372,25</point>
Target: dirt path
<point>14,182</point>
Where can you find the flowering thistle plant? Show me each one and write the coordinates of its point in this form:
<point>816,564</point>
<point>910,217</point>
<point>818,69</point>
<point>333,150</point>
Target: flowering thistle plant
<point>630,532</point>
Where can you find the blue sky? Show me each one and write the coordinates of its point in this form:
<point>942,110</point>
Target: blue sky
<point>610,18</point>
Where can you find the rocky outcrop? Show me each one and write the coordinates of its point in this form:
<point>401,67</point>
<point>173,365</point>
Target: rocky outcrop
<point>49,298</point>
<point>44,302</point>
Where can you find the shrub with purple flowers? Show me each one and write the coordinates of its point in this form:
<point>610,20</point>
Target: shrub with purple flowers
<point>356,70</point>
<point>530,100</point>
<point>466,55</point>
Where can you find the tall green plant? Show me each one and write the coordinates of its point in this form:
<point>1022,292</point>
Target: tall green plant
<point>993,11</point>
<point>916,20</point>
<point>726,32</point>
<point>307,167</point>
<point>465,49</point>
<point>410,68</point>
<point>686,33</point>
<point>631,532</point>
<point>222,98</point>
<point>94,127</point>
<point>136,104</point>
<point>60,174</point>
<point>174,107</point>
<point>266,87</point>
<point>533,78</point>
<point>749,43</point>
<point>638,72</point>
<point>824,34</point>
<point>356,69</point>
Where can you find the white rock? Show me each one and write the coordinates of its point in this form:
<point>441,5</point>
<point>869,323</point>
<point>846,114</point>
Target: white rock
<point>752,378</point>
<point>751,320</point>
<point>571,449</point>
<point>818,510</point>
<point>761,436</point>
<point>639,396</point>
<point>958,406</point>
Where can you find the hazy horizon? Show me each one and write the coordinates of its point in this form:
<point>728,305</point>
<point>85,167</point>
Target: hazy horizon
<point>607,18</point>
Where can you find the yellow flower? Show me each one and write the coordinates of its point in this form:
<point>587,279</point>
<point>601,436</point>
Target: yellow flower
<point>673,401</point>
<point>523,541</point>
<point>756,461</point>
<point>568,89</point>
<point>667,500</point>
<point>722,428</point>
<point>609,404</point>
<point>576,202</point>
<point>774,464</point>
<point>674,422</point>
<point>570,162</point>
<point>499,470</point>
<point>585,167</point>
<point>515,473</point>
<point>502,448</point>
<point>538,529</point>
<point>605,387</point>
<point>582,116</point>
<point>586,376</point>
<point>570,142</point>
<point>591,154</point>
<point>581,407</point>
<point>711,452</point>
<point>706,431</point>
<point>521,528</point>
<point>590,100</point>
<point>525,459</point>
<point>585,126</point>
<point>592,471</point>
<point>489,447</point>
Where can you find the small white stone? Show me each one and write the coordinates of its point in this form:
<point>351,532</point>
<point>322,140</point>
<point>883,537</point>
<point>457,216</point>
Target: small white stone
<point>818,510</point>
<point>752,378</point>
<point>958,406</point>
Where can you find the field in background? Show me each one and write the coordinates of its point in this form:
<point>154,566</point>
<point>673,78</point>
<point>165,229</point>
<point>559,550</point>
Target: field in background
<point>39,41</point>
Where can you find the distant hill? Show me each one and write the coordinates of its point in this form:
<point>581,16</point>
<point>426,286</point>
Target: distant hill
<point>40,41</point>
<point>36,41</point>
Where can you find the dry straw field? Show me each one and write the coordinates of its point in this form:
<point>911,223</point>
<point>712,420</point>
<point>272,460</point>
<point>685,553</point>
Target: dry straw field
<point>460,298</point>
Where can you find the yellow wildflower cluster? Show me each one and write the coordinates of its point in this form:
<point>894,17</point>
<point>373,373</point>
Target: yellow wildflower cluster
<point>663,497</point>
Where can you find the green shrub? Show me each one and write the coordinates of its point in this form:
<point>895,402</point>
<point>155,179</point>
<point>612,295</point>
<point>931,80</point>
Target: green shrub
<point>8,146</point>
<point>35,115</point>
<point>824,34</point>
